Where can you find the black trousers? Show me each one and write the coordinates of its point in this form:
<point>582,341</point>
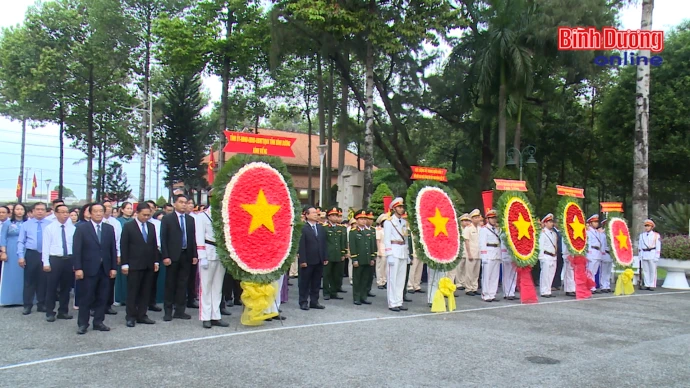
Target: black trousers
<point>557,279</point>
<point>93,292</point>
<point>111,294</point>
<point>407,279</point>
<point>309,282</point>
<point>60,277</point>
<point>232,289</point>
<point>176,278</point>
<point>138,292</point>
<point>34,279</point>
<point>153,291</point>
<point>192,293</point>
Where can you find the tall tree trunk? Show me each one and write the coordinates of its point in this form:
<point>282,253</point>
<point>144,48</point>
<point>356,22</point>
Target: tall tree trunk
<point>89,138</point>
<point>369,122</point>
<point>144,127</point>
<point>21,162</point>
<point>331,115</point>
<point>309,169</point>
<point>641,148</point>
<point>344,121</point>
<point>518,131</point>
<point>321,108</point>
<point>487,156</point>
<point>225,80</point>
<point>61,177</point>
<point>454,157</point>
<point>502,100</point>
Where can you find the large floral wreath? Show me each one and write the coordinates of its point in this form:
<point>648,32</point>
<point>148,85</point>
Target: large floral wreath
<point>572,223</point>
<point>255,218</point>
<point>619,243</point>
<point>433,219</point>
<point>519,229</point>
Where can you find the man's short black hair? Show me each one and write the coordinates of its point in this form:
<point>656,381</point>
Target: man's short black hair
<point>93,205</point>
<point>167,205</point>
<point>151,203</point>
<point>178,196</point>
<point>56,201</point>
<point>56,208</point>
<point>142,208</point>
<point>37,204</point>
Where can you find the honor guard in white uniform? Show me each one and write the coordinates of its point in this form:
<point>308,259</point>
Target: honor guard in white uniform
<point>471,253</point>
<point>395,240</point>
<point>595,247</point>
<point>568,273</point>
<point>211,271</point>
<point>490,253</point>
<point>606,261</point>
<point>457,274</point>
<point>508,272</point>
<point>548,254</point>
<point>649,250</point>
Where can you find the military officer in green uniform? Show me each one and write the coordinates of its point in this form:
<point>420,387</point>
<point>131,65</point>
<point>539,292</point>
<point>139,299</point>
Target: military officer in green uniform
<point>336,250</point>
<point>371,234</point>
<point>363,255</point>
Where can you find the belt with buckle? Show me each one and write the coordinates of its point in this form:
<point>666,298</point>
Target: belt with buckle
<point>209,242</point>
<point>398,242</point>
<point>492,245</point>
<point>549,253</point>
<point>648,249</point>
<point>597,248</point>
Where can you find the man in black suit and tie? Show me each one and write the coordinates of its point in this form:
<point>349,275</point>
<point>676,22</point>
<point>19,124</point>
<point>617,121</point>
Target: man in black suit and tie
<point>140,260</point>
<point>178,247</point>
<point>311,257</point>
<point>95,263</point>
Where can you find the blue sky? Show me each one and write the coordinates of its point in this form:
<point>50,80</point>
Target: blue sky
<point>42,142</point>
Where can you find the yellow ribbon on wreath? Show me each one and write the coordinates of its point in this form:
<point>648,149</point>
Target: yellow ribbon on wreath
<point>624,284</point>
<point>257,297</point>
<point>446,288</point>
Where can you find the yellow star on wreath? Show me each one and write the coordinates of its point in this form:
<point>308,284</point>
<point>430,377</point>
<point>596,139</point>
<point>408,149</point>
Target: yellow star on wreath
<point>578,228</point>
<point>622,240</point>
<point>522,227</point>
<point>439,223</point>
<point>262,213</point>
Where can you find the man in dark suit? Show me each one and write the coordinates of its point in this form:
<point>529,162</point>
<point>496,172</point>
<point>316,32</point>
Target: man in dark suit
<point>140,260</point>
<point>178,247</point>
<point>95,263</point>
<point>311,257</point>
<point>559,259</point>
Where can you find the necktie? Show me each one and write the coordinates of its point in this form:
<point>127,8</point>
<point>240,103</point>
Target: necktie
<point>39,236</point>
<point>184,232</point>
<point>315,232</point>
<point>143,232</point>
<point>64,241</point>
<point>98,232</point>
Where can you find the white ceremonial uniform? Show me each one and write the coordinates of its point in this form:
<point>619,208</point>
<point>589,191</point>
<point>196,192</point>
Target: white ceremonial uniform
<point>606,264</point>
<point>490,253</point>
<point>211,270</point>
<point>567,274</point>
<point>649,250</point>
<point>594,251</point>
<point>395,240</point>
<point>548,254</point>
<point>509,272</point>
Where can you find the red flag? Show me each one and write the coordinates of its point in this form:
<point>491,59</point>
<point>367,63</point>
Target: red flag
<point>488,200</point>
<point>211,165</point>
<point>19,188</point>
<point>34,184</point>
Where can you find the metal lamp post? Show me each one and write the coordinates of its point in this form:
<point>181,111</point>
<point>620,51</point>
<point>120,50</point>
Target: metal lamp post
<point>528,151</point>
<point>322,153</point>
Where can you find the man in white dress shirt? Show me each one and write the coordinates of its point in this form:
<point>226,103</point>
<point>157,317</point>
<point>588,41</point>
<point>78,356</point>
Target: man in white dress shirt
<point>649,250</point>
<point>395,236</point>
<point>548,252</point>
<point>57,263</point>
<point>490,253</point>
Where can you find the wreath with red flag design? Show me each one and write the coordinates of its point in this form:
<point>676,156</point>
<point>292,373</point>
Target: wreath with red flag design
<point>433,219</point>
<point>255,218</point>
<point>571,220</point>
<point>520,232</point>
<point>619,242</point>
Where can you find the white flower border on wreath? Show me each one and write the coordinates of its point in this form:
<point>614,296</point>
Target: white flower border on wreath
<point>421,227</point>
<point>612,238</point>
<point>226,217</point>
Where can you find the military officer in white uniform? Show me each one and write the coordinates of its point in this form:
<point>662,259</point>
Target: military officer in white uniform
<point>395,236</point>
<point>595,248</point>
<point>508,272</point>
<point>211,272</point>
<point>606,261</point>
<point>548,253</point>
<point>649,250</point>
<point>490,253</point>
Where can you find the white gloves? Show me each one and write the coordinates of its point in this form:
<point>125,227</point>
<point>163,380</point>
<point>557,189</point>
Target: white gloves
<point>204,263</point>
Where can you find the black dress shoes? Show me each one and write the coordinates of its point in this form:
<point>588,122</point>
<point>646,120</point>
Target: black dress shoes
<point>336,297</point>
<point>41,308</point>
<point>64,316</point>
<point>326,297</point>
<point>406,299</point>
<point>130,323</point>
<point>146,321</point>
<point>342,291</point>
<point>304,307</point>
<point>402,308</point>
<point>50,318</point>
<point>192,305</point>
<point>317,306</point>
<point>219,322</point>
<point>371,295</point>
<point>366,302</point>
<point>182,316</point>
<point>167,317</point>
<point>224,311</point>
<point>82,329</point>
<point>382,287</point>
<point>206,324</point>
<point>420,291</point>
<point>396,309</point>
<point>26,311</point>
<point>358,303</point>
<point>154,307</point>
<point>110,311</point>
<point>101,327</point>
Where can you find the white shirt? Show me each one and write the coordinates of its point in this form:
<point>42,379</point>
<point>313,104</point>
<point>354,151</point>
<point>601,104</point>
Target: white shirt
<point>118,231</point>
<point>395,229</point>
<point>51,217</point>
<point>489,235</point>
<point>52,240</point>
<point>595,246</point>
<point>649,240</point>
<point>548,241</point>
<point>157,225</point>
<point>204,231</point>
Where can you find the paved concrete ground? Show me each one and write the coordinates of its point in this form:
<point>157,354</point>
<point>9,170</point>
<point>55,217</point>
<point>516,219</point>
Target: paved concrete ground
<point>642,340</point>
